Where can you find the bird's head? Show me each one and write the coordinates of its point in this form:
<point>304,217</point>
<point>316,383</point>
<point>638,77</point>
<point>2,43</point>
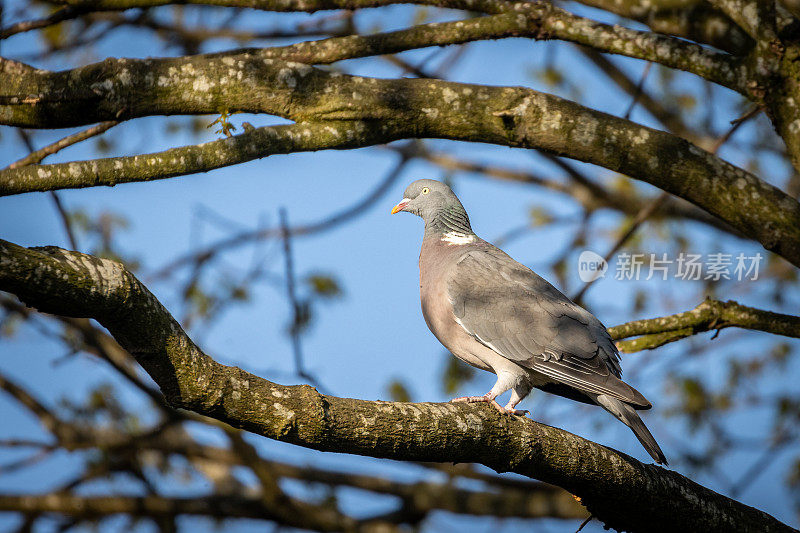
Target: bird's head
<point>438,206</point>
<point>425,198</point>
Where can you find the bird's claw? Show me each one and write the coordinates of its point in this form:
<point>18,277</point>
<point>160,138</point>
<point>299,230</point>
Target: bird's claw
<point>507,410</point>
<point>472,399</point>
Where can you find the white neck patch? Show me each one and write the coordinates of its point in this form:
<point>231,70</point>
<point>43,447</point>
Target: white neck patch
<point>454,238</point>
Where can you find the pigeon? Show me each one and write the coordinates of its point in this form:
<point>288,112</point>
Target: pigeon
<point>498,315</point>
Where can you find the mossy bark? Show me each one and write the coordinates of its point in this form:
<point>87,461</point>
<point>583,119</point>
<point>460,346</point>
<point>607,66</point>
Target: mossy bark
<point>337,111</point>
<point>710,315</point>
<point>620,491</point>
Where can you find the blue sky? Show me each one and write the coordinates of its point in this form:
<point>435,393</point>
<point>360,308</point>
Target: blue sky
<point>375,333</point>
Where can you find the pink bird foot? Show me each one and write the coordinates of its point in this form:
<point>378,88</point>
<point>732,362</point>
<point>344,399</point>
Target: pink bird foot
<point>486,398</point>
<point>509,409</point>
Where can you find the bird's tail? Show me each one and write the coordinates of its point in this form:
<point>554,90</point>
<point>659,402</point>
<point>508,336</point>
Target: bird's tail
<point>628,416</point>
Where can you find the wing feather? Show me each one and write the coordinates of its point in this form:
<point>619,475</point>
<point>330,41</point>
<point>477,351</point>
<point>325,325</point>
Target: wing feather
<point>519,315</point>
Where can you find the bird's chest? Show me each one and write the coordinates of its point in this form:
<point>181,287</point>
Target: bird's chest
<point>438,313</point>
<point>435,304</point>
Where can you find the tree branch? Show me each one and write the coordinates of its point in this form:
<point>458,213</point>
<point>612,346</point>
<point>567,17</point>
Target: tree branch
<point>36,156</point>
<point>87,507</point>
<point>531,501</point>
<point>753,16</point>
<point>622,492</point>
<point>534,20</point>
<point>502,496</point>
<point>710,315</point>
<point>339,112</point>
<point>65,13</point>
<point>691,19</point>
<point>706,25</point>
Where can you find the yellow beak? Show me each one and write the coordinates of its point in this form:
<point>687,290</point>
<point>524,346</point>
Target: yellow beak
<point>399,207</point>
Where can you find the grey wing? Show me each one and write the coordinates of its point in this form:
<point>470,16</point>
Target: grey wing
<point>519,315</point>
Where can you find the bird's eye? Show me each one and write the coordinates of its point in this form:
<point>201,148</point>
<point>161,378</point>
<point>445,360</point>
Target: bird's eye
<point>425,190</point>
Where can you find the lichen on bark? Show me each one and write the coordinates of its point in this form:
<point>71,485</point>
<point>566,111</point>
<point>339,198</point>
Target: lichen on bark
<point>620,491</point>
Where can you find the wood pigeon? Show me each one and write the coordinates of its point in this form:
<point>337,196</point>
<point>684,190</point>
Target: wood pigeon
<point>500,316</point>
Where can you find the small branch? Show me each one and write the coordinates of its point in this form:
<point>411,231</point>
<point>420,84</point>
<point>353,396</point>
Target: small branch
<point>735,125</point>
<point>65,13</point>
<point>287,510</point>
<point>640,218</point>
<point>50,421</point>
<point>637,93</point>
<point>711,315</point>
<point>62,213</point>
<point>88,507</point>
<point>257,143</point>
<point>529,500</point>
<point>326,224</point>
<point>291,293</point>
<point>670,119</point>
<point>37,156</point>
<point>648,210</point>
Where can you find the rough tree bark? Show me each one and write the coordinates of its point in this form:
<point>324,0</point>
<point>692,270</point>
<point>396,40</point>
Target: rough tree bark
<point>335,111</point>
<point>756,50</point>
<point>619,490</point>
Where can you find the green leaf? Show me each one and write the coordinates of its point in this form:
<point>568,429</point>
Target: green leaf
<point>398,392</point>
<point>324,285</point>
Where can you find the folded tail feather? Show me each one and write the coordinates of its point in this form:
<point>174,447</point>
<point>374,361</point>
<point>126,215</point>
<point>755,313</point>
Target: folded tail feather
<point>628,416</point>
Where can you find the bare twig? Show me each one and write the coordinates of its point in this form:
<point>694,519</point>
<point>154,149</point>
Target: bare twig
<point>211,251</point>
<point>638,92</point>
<point>643,215</point>
<point>37,156</point>
<point>62,212</point>
<point>61,15</point>
<point>735,126</point>
<point>297,313</point>
<point>48,419</point>
<point>648,210</point>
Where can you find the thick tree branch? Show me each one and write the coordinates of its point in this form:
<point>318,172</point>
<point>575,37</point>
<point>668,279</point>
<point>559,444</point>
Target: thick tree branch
<point>336,111</point>
<point>620,491</point>
<point>257,143</point>
<point>695,20</point>
<point>502,497</point>
<point>710,315</point>
<point>88,507</point>
<point>702,27</point>
<point>536,20</point>
<point>756,17</point>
